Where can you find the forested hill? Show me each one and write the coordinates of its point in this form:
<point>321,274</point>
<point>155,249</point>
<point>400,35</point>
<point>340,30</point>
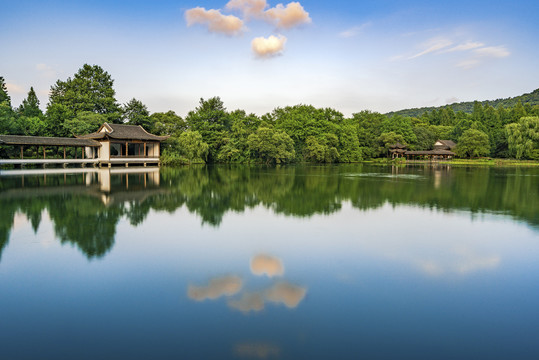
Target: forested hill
<point>467,107</point>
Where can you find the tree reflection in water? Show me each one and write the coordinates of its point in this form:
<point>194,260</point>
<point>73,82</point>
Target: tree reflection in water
<point>85,208</point>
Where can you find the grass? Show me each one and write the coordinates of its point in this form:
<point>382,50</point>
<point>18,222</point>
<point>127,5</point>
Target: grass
<point>458,162</point>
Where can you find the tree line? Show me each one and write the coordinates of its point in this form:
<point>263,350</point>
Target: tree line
<point>528,100</point>
<point>293,134</point>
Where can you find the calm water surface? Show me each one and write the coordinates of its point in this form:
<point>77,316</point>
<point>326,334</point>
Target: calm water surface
<point>306,262</point>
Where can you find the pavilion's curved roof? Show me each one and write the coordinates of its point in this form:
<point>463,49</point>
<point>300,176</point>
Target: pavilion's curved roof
<point>122,132</point>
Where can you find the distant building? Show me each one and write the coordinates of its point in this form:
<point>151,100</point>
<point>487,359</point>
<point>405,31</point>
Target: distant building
<point>442,150</point>
<point>444,145</point>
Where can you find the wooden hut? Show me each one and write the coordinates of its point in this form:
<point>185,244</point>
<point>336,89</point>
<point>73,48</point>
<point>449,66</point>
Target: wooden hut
<point>442,150</point>
<point>397,150</point>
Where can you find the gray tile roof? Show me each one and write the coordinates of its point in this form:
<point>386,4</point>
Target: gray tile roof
<point>123,132</point>
<point>45,141</point>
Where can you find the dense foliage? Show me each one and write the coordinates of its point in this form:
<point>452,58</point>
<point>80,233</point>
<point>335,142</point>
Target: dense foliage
<point>300,133</point>
<point>530,99</point>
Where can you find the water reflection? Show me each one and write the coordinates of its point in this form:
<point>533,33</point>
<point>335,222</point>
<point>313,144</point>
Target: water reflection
<point>279,293</point>
<point>216,288</point>
<point>86,206</point>
<point>248,302</point>
<point>266,265</point>
<point>287,294</point>
<point>342,262</point>
<point>257,350</point>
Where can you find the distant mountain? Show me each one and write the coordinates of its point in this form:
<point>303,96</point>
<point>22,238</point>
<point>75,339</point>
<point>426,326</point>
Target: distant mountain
<point>467,107</point>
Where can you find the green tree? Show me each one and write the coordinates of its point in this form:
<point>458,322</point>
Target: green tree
<point>369,126</point>
<point>425,136</point>
<point>322,149</point>
<point>271,146</point>
<point>385,140</point>
<point>30,105</point>
<point>303,121</point>
<point>167,123</point>
<point>473,143</point>
<point>89,90</point>
<point>523,138</point>
<point>349,150</point>
<point>518,112</point>
<point>192,146</point>
<point>85,122</point>
<point>30,126</point>
<point>57,115</point>
<point>236,148</point>
<point>135,112</point>
<point>7,116</point>
<point>4,96</point>
<point>462,125</point>
<point>212,121</point>
<point>400,125</point>
<point>478,113</point>
<point>7,119</point>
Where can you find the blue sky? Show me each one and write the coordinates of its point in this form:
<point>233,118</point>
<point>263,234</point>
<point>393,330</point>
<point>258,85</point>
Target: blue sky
<point>348,55</point>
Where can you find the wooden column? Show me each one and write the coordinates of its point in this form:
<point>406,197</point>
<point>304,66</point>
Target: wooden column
<point>22,152</point>
<point>43,152</point>
<point>144,155</point>
<point>126,150</point>
<point>83,151</point>
<point>64,152</point>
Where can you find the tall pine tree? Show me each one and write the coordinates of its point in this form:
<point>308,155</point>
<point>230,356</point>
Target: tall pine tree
<point>30,105</point>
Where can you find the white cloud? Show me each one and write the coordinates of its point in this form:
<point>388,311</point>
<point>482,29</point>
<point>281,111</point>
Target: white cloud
<point>215,21</point>
<point>481,54</point>
<point>433,45</point>
<point>14,88</point>
<point>463,47</point>
<point>493,51</point>
<point>46,70</point>
<point>353,31</point>
<point>283,17</point>
<point>249,8</point>
<point>268,47</point>
<point>468,64</point>
<point>287,17</point>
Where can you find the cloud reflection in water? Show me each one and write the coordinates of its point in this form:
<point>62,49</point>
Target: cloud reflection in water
<point>217,287</point>
<point>257,350</point>
<point>282,292</point>
<point>266,265</point>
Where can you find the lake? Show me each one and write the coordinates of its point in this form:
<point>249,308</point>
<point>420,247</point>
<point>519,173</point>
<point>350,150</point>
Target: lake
<point>293,262</point>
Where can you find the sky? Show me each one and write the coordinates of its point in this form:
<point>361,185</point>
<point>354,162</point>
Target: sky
<point>257,55</point>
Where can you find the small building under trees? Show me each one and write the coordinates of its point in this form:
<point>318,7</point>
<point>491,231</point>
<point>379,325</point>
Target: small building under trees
<point>442,150</point>
<point>110,144</point>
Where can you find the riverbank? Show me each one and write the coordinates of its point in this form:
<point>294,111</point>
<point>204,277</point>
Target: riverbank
<point>460,162</point>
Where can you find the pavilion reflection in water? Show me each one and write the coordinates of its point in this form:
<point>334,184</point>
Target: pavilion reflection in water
<point>109,184</point>
<point>85,205</point>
